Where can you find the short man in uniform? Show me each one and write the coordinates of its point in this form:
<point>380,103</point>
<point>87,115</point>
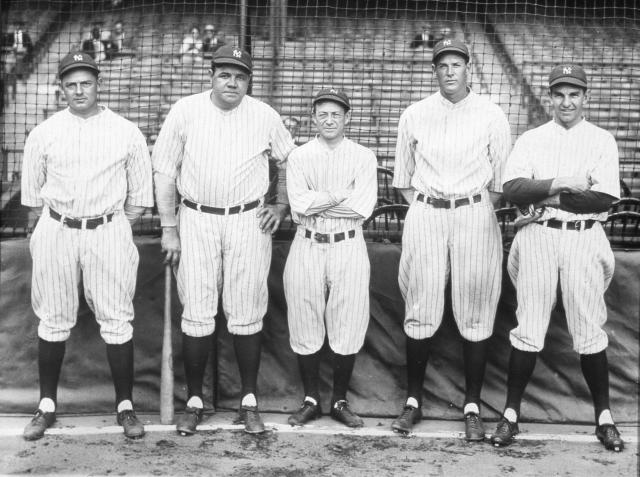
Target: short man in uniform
<point>565,175</point>
<point>87,171</point>
<point>215,146</point>
<point>450,155</point>
<point>332,186</point>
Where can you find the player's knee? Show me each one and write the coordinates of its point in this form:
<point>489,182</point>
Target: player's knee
<point>244,329</point>
<point>197,329</point>
<point>117,335</point>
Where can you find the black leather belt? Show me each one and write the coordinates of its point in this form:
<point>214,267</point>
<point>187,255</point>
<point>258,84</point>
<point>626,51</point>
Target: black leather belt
<point>446,203</point>
<point>326,238</point>
<point>570,225</point>
<point>81,223</point>
<point>222,210</point>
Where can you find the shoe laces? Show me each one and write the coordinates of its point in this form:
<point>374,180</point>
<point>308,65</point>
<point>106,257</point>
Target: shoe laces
<point>611,432</point>
<point>128,416</point>
<point>406,412</point>
<point>504,426</point>
<point>473,418</point>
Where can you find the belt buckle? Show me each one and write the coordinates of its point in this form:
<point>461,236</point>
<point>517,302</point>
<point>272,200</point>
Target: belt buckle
<point>321,238</point>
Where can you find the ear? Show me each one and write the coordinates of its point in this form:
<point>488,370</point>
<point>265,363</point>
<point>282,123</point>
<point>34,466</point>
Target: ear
<point>347,117</point>
<point>210,71</point>
<point>99,82</point>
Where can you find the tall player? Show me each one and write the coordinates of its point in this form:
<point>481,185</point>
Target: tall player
<point>332,185</point>
<point>566,172</point>
<point>86,170</point>
<point>215,146</point>
<point>450,155</point>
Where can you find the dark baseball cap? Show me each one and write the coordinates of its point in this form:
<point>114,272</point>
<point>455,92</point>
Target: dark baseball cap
<point>449,45</point>
<point>76,59</point>
<point>568,74</point>
<point>334,95</point>
<point>232,55</point>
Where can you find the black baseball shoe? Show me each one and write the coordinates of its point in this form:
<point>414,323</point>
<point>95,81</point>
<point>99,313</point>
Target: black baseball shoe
<point>188,421</point>
<point>307,412</point>
<point>40,422</point>
<point>609,436</point>
<point>133,428</point>
<point>341,412</point>
<point>504,432</point>
<point>473,427</point>
<point>404,422</point>
<point>250,417</point>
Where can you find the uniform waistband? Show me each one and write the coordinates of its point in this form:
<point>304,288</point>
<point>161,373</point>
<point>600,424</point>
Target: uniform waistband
<point>577,225</point>
<point>448,203</point>
<point>236,209</point>
<point>73,223</point>
<point>326,238</point>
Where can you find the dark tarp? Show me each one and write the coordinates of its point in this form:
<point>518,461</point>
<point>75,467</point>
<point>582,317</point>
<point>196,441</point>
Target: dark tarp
<point>556,393</point>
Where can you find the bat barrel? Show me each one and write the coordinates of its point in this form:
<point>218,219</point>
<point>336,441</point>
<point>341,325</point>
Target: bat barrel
<point>166,378</point>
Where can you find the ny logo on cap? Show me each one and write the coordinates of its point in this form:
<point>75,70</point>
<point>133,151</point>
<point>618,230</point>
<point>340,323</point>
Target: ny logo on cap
<point>566,70</point>
<point>333,91</point>
<point>237,53</point>
<point>446,42</point>
<point>77,57</point>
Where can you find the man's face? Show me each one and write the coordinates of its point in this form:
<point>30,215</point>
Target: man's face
<point>209,33</point>
<point>195,33</point>
<point>229,85</point>
<point>80,88</point>
<point>330,119</point>
<point>119,28</point>
<point>451,71</point>
<point>568,103</point>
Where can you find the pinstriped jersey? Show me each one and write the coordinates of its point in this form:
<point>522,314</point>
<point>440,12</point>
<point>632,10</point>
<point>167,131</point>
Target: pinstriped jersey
<point>86,167</point>
<point>220,158</point>
<point>314,170</point>
<point>451,150</point>
<point>551,151</point>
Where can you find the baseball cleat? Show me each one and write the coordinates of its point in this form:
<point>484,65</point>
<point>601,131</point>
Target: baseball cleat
<point>404,423</point>
<point>188,421</point>
<point>40,422</point>
<point>250,417</point>
<point>504,433</point>
<point>610,437</point>
<point>341,412</point>
<point>307,412</point>
<point>473,427</point>
<point>133,428</point>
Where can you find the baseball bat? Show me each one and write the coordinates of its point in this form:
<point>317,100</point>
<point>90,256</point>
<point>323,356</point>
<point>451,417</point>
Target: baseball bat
<point>166,372</point>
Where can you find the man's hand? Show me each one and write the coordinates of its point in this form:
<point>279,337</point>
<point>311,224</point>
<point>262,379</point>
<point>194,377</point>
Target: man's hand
<point>572,184</point>
<point>524,219</point>
<point>271,216</point>
<point>495,198</point>
<point>170,244</point>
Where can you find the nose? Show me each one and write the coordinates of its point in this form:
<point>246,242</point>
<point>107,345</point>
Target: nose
<point>566,102</point>
<point>449,71</point>
<point>78,89</point>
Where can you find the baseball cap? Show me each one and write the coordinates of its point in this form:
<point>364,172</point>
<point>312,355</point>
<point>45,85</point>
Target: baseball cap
<point>209,27</point>
<point>332,94</point>
<point>450,45</point>
<point>568,74</point>
<point>232,55</point>
<point>76,59</point>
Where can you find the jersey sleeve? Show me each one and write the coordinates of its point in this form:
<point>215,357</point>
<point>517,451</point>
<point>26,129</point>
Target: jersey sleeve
<point>605,176</point>
<point>499,147</point>
<point>139,175</point>
<point>169,147</point>
<point>405,163</point>
<point>280,140</point>
<point>364,195</point>
<point>518,164</point>
<point>303,200</point>
<point>34,170</point>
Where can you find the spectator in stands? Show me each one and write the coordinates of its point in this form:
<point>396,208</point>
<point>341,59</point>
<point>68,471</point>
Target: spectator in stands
<point>423,39</point>
<point>94,46</point>
<point>9,77</point>
<point>211,41</point>
<point>21,47</point>
<point>293,126</point>
<point>191,45</point>
<point>120,41</point>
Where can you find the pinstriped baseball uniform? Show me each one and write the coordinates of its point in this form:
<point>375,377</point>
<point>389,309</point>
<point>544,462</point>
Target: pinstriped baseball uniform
<point>327,283</point>
<point>581,260</point>
<point>451,151</point>
<point>84,168</point>
<point>220,159</point>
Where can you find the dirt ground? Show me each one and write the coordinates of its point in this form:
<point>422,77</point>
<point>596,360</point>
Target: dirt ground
<point>231,452</point>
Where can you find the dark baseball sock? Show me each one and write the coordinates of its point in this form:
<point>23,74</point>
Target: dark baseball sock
<point>342,370</point>
<point>195,352</point>
<point>248,349</point>
<point>521,365</point>
<point>595,369</point>
<point>120,357</point>
<point>475,360</point>
<point>417,357</point>
<point>50,356</point>
<point>309,365</point>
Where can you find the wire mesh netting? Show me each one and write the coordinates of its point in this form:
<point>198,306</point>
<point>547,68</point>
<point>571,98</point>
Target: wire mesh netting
<point>151,53</point>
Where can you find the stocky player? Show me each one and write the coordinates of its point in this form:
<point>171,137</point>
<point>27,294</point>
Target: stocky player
<point>86,170</point>
<point>566,171</point>
<point>215,145</point>
<point>332,186</point>
<point>450,155</point>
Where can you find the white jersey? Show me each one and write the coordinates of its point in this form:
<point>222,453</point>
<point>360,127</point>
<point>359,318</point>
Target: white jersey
<point>450,150</point>
<point>86,167</point>
<point>314,169</point>
<point>220,158</point>
<point>551,151</point>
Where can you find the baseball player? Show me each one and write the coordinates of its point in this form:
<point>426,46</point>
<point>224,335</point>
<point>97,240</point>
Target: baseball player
<point>332,186</point>
<point>87,171</point>
<point>450,155</point>
<point>566,172</point>
<point>215,146</point>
